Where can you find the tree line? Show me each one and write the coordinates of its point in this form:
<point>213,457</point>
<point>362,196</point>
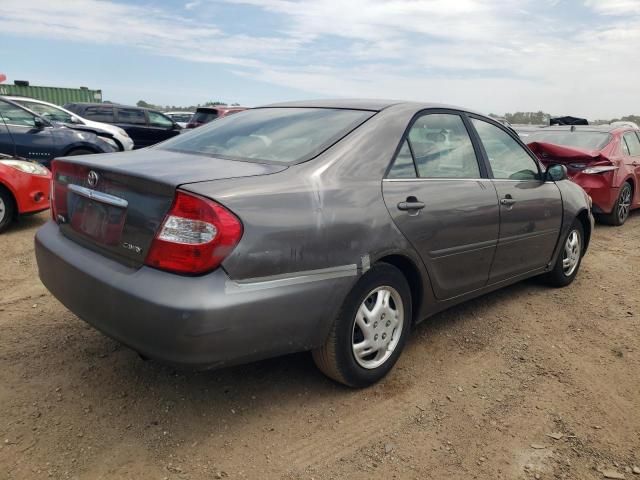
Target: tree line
<point>542,118</point>
<point>190,108</point>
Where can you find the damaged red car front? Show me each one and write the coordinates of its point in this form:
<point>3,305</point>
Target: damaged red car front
<point>604,161</point>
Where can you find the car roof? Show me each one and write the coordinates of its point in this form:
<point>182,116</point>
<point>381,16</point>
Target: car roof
<point>375,105</point>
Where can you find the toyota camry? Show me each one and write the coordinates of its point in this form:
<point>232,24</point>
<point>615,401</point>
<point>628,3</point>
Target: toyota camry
<point>323,226</point>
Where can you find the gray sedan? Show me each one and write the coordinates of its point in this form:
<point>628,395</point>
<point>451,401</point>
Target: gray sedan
<point>328,226</point>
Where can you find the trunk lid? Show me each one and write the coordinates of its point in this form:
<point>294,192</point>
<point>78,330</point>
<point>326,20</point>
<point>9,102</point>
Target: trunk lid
<point>575,159</point>
<point>115,203</point>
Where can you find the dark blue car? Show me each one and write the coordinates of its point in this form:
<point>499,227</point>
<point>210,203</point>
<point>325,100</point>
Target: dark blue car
<point>25,134</point>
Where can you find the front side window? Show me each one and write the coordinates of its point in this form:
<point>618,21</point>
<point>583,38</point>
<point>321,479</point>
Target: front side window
<point>633,144</point>
<point>47,111</point>
<point>508,159</point>
<point>99,114</point>
<point>133,116</point>
<point>13,115</point>
<point>158,120</point>
<point>283,135</point>
<point>442,148</point>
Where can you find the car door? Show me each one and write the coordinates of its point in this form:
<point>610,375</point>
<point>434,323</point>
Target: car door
<point>134,122</point>
<point>161,127</point>
<point>22,135</point>
<point>530,208</point>
<point>631,141</point>
<point>439,197</point>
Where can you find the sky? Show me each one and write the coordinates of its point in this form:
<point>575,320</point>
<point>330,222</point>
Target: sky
<point>565,57</point>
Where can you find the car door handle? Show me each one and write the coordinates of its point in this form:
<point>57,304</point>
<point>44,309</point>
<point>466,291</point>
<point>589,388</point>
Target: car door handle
<point>507,201</point>
<point>635,164</point>
<point>411,204</point>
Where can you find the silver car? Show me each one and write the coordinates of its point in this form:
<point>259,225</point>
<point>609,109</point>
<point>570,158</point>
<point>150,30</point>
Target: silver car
<point>328,226</point>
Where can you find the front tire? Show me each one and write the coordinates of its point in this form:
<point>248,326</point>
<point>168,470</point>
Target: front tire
<point>7,209</point>
<point>79,151</point>
<point>569,258</point>
<point>621,209</point>
<point>370,330</point>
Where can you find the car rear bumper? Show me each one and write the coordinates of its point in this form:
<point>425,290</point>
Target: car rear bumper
<point>203,322</point>
<point>599,188</point>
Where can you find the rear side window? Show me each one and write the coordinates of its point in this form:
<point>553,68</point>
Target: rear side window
<point>99,114</point>
<point>633,144</point>
<point>132,116</point>
<point>442,148</point>
<point>283,135</point>
<point>403,166</point>
<point>508,159</point>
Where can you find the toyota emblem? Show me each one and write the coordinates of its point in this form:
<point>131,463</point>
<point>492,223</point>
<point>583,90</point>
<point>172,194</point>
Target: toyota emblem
<point>92,178</point>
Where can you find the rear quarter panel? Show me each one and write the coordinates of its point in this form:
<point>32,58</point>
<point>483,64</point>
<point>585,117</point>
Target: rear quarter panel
<point>325,213</point>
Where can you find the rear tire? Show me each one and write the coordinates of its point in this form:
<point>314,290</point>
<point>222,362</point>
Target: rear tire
<point>7,209</point>
<point>569,258</point>
<point>622,207</point>
<point>370,330</point>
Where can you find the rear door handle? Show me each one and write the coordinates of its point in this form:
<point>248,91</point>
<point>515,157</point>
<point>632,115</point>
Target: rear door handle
<point>413,205</point>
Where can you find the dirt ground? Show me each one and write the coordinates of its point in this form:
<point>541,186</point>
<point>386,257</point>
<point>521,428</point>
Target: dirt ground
<point>476,394</point>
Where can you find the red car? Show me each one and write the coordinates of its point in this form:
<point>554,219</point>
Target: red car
<point>207,114</point>
<point>24,189</point>
<point>603,160</point>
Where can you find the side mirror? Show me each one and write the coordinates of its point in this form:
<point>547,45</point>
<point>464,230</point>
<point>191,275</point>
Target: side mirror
<point>40,122</point>
<point>556,173</point>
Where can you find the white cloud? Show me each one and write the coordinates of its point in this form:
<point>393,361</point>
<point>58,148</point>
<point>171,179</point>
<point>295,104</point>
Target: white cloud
<point>493,55</point>
<point>615,7</point>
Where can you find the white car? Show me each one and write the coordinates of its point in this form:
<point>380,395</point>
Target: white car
<point>58,114</point>
<point>181,118</point>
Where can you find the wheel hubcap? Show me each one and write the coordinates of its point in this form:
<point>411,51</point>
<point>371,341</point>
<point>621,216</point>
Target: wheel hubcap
<point>571,254</point>
<point>624,205</point>
<point>3,210</point>
<point>377,327</point>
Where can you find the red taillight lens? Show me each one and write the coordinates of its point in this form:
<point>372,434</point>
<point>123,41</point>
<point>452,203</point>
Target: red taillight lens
<point>195,236</point>
<point>63,174</point>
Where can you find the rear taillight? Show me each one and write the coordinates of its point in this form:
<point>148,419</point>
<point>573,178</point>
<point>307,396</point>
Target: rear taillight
<point>63,174</point>
<point>195,236</point>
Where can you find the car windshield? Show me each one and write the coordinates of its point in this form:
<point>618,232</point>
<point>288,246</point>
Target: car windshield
<point>180,117</point>
<point>47,111</point>
<point>12,115</point>
<point>283,135</point>
<point>577,139</point>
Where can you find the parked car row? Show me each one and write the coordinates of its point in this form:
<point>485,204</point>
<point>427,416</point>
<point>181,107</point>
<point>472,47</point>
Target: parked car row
<point>224,245</point>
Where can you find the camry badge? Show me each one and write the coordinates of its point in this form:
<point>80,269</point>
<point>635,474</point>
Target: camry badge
<point>92,178</point>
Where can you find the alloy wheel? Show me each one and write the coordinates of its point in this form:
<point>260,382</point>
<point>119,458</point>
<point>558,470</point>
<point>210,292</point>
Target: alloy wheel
<point>624,205</point>
<point>571,253</point>
<point>377,327</point>
<point>3,209</point>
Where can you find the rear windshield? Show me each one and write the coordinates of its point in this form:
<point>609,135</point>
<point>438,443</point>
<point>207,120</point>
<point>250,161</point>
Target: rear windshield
<point>283,135</point>
<point>577,139</point>
<point>204,117</point>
